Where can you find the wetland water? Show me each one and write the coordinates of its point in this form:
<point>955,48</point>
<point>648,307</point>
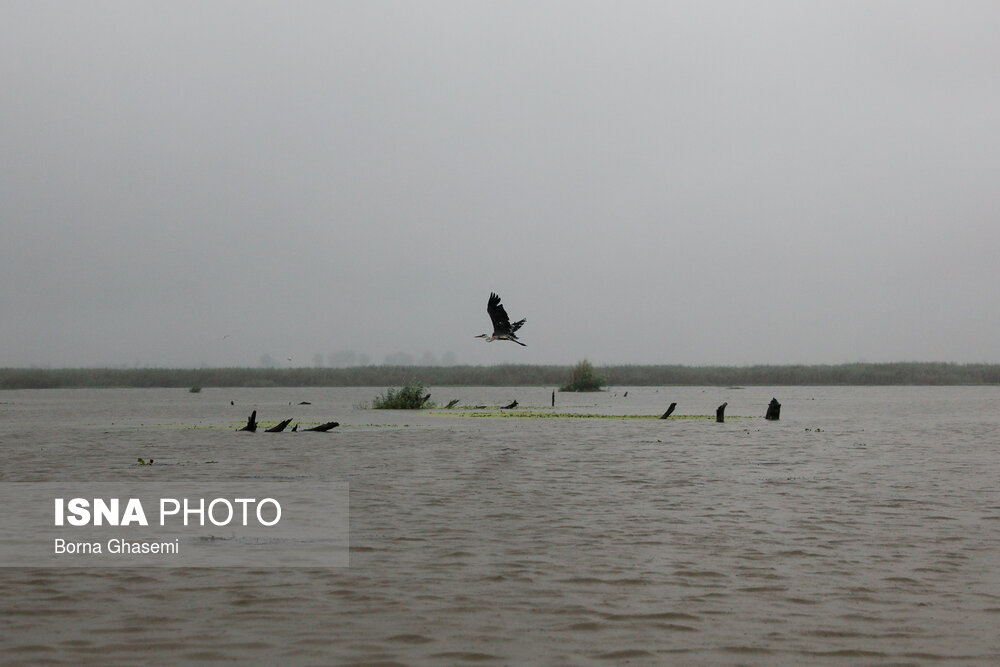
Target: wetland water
<point>861,528</point>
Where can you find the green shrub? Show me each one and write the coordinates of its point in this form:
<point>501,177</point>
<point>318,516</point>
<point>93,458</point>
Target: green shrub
<point>410,396</point>
<point>584,378</point>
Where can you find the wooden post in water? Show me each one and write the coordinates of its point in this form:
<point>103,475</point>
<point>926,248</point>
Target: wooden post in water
<point>773,410</point>
<point>720,413</point>
<point>669,411</point>
<point>553,398</point>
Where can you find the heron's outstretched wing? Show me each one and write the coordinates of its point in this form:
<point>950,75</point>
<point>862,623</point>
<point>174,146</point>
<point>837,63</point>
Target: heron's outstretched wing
<point>501,322</point>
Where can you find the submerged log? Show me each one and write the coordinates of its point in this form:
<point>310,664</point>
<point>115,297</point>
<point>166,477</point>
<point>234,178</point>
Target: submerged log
<point>279,427</point>
<point>773,410</point>
<point>452,403</point>
<point>425,399</point>
<point>669,411</point>
<point>512,404</point>
<point>322,428</point>
<point>720,413</point>
<point>251,423</point>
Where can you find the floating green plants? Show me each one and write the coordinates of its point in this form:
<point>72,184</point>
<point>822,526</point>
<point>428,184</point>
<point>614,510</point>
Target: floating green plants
<point>532,414</point>
<point>143,462</point>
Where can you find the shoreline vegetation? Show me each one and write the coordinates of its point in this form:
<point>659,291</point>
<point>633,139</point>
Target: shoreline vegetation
<point>507,375</point>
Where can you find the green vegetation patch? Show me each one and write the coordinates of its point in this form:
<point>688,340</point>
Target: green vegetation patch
<point>584,378</point>
<point>410,396</point>
<point>143,462</point>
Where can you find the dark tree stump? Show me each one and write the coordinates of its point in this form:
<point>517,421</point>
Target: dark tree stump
<point>720,413</point>
<point>452,403</point>
<point>512,404</point>
<point>251,423</point>
<point>279,427</point>
<point>670,411</point>
<point>322,428</point>
<point>773,410</point>
<point>553,398</point>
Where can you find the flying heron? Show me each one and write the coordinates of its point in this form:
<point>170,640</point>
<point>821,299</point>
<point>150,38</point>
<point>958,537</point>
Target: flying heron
<point>502,327</point>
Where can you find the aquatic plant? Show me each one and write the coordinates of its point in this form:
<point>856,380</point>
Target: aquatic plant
<point>410,396</point>
<point>545,414</point>
<point>584,378</point>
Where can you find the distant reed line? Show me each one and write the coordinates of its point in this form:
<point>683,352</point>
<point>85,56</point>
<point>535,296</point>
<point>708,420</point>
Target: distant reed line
<point>858,374</point>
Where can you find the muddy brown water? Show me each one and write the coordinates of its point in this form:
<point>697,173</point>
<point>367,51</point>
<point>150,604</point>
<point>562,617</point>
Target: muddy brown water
<point>861,528</point>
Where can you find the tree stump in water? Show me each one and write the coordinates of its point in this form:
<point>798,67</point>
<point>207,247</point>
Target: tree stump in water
<point>323,428</point>
<point>279,427</point>
<point>669,411</point>
<point>251,423</point>
<point>720,413</point>
<point>773,410</point>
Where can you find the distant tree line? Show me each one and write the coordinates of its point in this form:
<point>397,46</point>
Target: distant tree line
<point>901,373</point>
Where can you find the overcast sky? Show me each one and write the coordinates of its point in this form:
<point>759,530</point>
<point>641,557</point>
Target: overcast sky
<point>203,183</point>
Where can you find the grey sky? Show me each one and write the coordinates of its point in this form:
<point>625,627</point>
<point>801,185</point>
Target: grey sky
<point>187,183</point>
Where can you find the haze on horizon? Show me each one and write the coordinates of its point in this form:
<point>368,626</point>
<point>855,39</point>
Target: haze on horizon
<point>188,183</point>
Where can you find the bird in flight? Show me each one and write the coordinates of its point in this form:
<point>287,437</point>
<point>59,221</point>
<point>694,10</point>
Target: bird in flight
<point>503,329</point>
